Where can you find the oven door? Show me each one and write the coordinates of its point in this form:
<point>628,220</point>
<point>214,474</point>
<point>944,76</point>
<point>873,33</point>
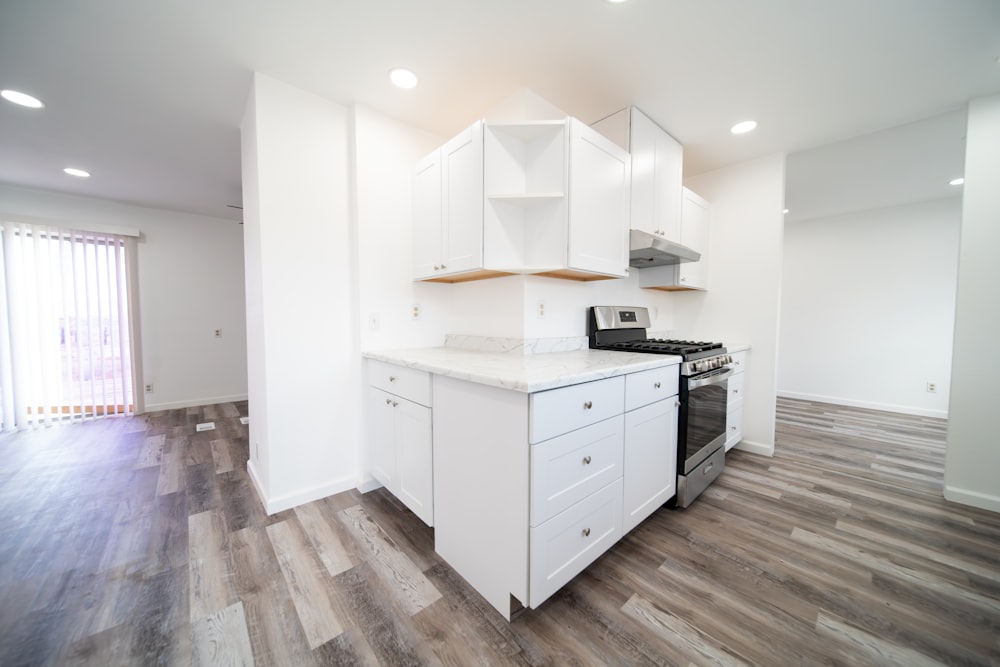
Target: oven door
<point>703,415</point>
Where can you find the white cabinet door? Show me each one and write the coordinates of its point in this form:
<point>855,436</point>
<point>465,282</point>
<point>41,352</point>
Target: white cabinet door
<point>657,163</point>
<point>462,219</point>
<point>650,464</point>
<point>599,203</point>
<point>427,188</point>
<point>669,178</point>
<point>694,234</point>
<point>383,441</point>
<point>414,459</point>
<point>642,143</point>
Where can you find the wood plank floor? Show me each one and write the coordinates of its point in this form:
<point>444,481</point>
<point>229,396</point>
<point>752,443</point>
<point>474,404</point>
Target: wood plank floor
<point>139,541</point>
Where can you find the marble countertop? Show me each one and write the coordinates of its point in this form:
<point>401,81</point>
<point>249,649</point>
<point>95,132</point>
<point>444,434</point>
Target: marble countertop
<point>523,372</point>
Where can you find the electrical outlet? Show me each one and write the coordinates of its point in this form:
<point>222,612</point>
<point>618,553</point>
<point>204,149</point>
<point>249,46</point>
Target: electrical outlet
<point>149,388</point>
<point>218,333</point>
<point>374,321</point>
<point>416,311</point>
<point>932,387</point>
<point>541,310</point>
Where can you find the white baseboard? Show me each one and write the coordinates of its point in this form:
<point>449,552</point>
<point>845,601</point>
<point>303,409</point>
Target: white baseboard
<point>869,405</point>
<point>368,484</point>
<point>193,403</point>
<point>300,497</point>
<point>983,501</point>
<point>755,447</point>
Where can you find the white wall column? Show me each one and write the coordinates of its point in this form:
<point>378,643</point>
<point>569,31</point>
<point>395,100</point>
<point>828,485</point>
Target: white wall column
<point>973,455</point>
<point>744,291</point>
<point>303,354</point>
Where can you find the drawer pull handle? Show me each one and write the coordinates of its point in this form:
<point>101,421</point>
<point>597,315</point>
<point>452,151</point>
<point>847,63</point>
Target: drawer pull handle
<point>586,460</point>
<point>388,401</point>
<point>732,428</point>
<point>586,532</point>
<point>588,405</point>
<point>736,391</point>
<point>656,385</point>
<point>392,378</point>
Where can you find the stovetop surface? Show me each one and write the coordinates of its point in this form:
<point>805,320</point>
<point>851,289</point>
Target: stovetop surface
<point>684,348</point>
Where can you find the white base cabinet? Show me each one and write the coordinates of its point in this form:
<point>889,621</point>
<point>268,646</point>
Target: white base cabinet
<point>401,446</point>
<point>734,402</point>
<point>518,516</point>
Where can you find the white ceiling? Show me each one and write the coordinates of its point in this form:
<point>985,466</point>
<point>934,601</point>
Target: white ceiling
<point>149,96</point>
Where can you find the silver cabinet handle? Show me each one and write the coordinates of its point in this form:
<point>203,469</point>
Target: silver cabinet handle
<point>736,391</point>
<point>588,405</point>
<point>732,428</point>
<point>656,385</point>
<point>586,460</point>
<point>437,268</point>
<point>586,532</point>
<point>677,404</point>
<point>392,378</point>
<point>394,404</point>
<point>443,267</point>
<point>388,401</point>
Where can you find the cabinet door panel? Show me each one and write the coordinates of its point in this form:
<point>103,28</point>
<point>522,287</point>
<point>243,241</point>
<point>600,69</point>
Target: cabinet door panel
<point>567,469</point>
<point>669,164</point>
<point>427,216</point>
<point>566,409</point>
<point>599,203</point>
<point>462,159</point>
<point>414,459</point>
<point>650,464</point>
<point>642,138</point>
<point>383,437</point>
<point>565,544</point>
<point>694,234</point>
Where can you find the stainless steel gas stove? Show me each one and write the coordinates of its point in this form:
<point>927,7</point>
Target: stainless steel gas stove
<point>704,371</point>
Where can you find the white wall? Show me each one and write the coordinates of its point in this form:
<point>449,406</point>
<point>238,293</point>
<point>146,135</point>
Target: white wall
<point>741,305</point>
<point>972,458</point>
<point>190,283</point>
<point>304,353</point>
<point>868,305</point>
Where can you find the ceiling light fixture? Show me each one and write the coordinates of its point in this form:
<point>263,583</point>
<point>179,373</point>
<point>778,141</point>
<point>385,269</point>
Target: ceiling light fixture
<point>403,78</point>
<point>616,2</point>
<point>79,173</point>
<point>743,127</point>
<point>785,210</point>
<point>23,99</point>
<point>956,181</point>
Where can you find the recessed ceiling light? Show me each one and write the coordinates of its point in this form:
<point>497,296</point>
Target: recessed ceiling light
<point>79,173</point>
<point>23,99</point>
<point>403,78</point>
<point>743,127</point>
<point>785,210</point>
<point>616,2</point>
<point>956,181</point>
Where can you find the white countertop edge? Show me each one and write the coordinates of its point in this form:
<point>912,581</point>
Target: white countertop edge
<point>519,372</point>
<point>736,347</point>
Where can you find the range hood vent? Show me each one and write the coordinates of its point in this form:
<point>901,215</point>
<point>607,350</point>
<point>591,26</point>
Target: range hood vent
<point>646,250</point>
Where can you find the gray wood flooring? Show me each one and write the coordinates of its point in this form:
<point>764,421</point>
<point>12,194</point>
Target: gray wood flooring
<point>139,541</point>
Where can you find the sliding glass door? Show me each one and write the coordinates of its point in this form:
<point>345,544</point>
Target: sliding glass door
<point>65,347</point>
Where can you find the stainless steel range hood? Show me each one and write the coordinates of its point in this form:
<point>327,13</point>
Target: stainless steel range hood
<point>647,250</point>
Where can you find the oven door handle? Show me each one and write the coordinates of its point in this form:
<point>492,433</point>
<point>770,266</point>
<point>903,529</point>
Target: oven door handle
<point>712,379</point>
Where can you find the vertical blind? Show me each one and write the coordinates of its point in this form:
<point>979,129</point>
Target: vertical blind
<point>65,349</point>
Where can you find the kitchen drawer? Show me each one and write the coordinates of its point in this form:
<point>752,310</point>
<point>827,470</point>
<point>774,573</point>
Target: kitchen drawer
<point>647,387</point>
<point>570,541</point>
<point>405,382</point>
<point>735,397</point>
<point>568,468</point>
<point>734,427</point>
<point>739,361</point>
<point>566,409</point>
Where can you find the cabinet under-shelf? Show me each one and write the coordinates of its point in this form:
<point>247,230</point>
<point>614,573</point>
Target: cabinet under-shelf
<point>527,199</point>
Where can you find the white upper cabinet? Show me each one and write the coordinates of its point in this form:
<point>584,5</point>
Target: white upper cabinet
<point>552,198</point>
<point>657,164</point>
<point>599,204</point>
<point>695,225</point>
<point>448,209</point>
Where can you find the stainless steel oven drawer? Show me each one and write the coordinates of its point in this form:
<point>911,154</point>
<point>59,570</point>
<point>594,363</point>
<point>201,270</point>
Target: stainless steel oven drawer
<point>691,485</point>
